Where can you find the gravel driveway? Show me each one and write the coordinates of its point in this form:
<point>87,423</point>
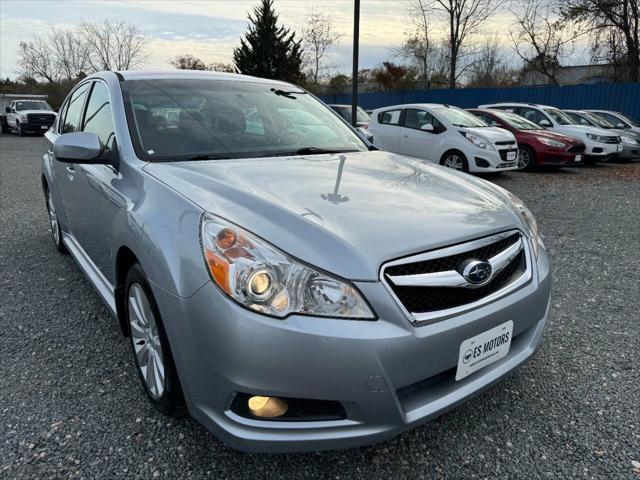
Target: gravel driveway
<point>71,406</point>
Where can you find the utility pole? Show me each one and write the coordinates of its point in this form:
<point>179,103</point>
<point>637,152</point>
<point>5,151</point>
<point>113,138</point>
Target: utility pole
<point>354,78</point>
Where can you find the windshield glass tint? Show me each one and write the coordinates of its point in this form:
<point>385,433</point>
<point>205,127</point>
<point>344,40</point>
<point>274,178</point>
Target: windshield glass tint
<point>460,118</point>
<point>182,118</point>
<point>559,117</point>
<point>32,105</point>
<point>630,120</point>
<point>598,121</point>
<point>516,121</point>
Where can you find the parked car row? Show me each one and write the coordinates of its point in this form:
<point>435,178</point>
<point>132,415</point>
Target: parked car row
<point>503,136</point>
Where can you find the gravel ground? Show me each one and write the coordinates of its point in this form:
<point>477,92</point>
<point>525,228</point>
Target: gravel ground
<point>70,404</point>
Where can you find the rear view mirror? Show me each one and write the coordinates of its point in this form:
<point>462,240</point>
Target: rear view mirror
<point>544,123</point>
<point>427,127</point>
<point>78,147</point>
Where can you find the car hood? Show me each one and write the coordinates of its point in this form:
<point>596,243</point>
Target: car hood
<point>560,137</point>
<point>345,213</point>
<point>581,130</point>
<point>36,112</point>
<point>493,134</point>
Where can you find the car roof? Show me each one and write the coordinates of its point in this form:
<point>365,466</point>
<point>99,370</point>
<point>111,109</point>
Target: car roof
<point>414,105</point>
<point>189,74</point>
<point>516,104</point>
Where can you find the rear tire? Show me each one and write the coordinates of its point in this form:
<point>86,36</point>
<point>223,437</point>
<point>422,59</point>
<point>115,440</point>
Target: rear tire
<point>4,126</point>
<point>150,346</point>
<point>456,160</point>
<point>527,160</point>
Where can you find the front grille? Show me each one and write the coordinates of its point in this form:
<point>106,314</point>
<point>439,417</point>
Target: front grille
<point>40,119</point>
<point>508,142</point>
<point>424,302</point>
<point>577,148</point>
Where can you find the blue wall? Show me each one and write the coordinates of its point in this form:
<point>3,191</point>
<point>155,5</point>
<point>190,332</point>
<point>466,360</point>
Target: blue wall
<point>622,97</point>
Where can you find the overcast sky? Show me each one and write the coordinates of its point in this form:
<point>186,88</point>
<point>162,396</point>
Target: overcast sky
<point>210,29</point>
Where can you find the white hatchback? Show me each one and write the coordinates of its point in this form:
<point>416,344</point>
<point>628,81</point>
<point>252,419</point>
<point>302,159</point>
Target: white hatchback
<point>446,135</point>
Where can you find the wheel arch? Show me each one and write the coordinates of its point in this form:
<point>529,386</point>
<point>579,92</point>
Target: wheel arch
<point>451,150</point>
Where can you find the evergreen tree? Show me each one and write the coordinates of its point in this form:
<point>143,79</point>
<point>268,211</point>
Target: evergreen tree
<point>268,50</point>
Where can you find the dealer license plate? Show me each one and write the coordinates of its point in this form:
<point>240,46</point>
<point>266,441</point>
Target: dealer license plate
<point>484,349</point>
<point>578,158</point>
<point>511,155</point>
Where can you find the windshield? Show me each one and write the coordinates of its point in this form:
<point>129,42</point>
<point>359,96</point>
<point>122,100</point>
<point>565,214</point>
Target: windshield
<point>630,120</point>
<point>32,105</point>
<point>598,121</point>
<point>515,120</point>
<point>460,118</point>
<point>176,119</point>
<point>559,117</point>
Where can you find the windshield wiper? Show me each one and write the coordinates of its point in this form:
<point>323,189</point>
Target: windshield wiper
<point>307,151</point>
<point>205,156</point>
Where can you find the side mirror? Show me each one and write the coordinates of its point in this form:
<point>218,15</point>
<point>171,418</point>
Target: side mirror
<point>7,109</point>
<point>544,123</point>
<point>621,125</point>
<point>427,127</point>
<point>78,147</point>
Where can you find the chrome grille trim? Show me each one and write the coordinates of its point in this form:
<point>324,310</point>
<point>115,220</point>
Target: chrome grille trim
<point>500,260</point>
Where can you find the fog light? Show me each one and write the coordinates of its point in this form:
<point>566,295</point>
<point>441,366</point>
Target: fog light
<point>267,406</point>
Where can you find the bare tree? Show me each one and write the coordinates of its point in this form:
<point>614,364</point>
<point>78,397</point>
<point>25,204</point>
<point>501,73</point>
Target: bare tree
<point>613,24</point>
<point>539,37</point>
<point>489,67</point>
<point>70,53</point>
<point>463,18</point>
<point>36,60</point>
<point>113,45</point>
<point>418,46</point>
<point>319,35</point>
<point>187,62</point>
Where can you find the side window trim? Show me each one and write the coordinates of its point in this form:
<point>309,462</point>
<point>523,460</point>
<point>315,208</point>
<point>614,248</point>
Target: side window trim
<point>84,103</point>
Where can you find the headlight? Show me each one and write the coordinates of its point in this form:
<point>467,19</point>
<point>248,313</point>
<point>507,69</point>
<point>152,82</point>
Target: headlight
<point>631,140</point>
<point>596,138</point>
<point>550,142</point>
<point>478,141</point>
<point>23,117</point>
<point>263,279</point>
<point>529,222</point>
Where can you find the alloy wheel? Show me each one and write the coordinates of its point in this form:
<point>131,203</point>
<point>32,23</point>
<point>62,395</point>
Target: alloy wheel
<point>524,159</point>
<point>146,341</point>
<point>53,219</point>
<point>454,161</point>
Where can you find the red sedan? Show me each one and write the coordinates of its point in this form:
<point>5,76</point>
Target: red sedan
<point>537,147</point>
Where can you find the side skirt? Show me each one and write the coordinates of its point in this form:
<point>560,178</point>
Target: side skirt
<point>91,271</point>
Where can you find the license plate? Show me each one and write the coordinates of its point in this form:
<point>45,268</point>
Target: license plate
<point>578,158</point>
<point>484,349</point>
<point>44,128</point>
<point>619,147</point>
<point>511,155</point>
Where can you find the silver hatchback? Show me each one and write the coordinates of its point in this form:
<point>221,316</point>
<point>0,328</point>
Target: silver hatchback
<point>281,280</point>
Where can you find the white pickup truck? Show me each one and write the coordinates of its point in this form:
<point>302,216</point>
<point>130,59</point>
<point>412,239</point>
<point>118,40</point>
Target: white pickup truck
<point>25,113</point>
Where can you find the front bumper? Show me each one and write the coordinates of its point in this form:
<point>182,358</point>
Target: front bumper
<point>388,375</point>
<point>629,151</point>
<point>492,161</point>
<point>559,156</point>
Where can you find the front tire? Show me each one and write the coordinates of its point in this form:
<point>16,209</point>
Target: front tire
<point>150,346</point>
<point>54,223</point>
<point>527,160</point>
<point>456,160</point>
<point>21,132</point>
